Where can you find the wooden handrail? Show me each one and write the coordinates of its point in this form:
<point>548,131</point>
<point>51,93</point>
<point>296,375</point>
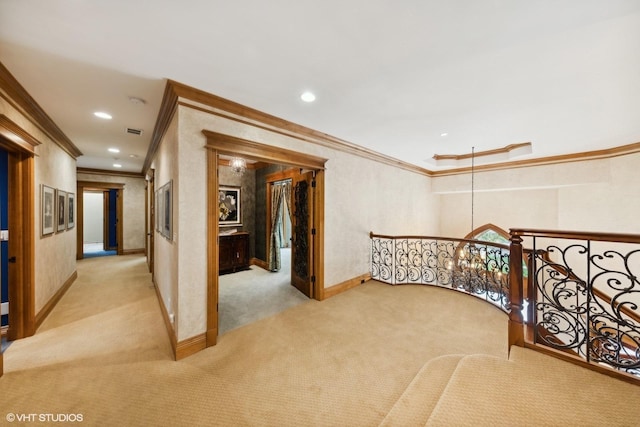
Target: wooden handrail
<point>577,235</point>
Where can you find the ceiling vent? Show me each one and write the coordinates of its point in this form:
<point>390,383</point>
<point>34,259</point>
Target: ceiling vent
<point>133,131</point>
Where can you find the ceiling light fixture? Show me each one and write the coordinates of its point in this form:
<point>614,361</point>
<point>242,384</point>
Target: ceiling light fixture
<point>238,165</point>
<point>444,134</point>
<point>136,100</point>
<point>114,150</point>
<point>117,165</point>
<point>308,97</point>
<point>102,115</point>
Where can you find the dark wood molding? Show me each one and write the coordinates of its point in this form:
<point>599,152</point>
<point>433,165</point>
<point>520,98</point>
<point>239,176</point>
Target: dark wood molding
<point>100,185</point>
<point>260,263</point>
<point>53,301</point>
<point>168,107</point>
<point>186,348</point>
<point>346,285</point>
<point>167,322</point>
<point>17,135</point>
<point>622,150</point>
<point>110,173</point>
<point>133,251</point>
<point>504,150</point>
<point>20,99</point>
<point>226,144</point>
<point>213,248</point>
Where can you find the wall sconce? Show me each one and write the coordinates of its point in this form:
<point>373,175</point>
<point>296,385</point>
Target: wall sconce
<point>238,165</point>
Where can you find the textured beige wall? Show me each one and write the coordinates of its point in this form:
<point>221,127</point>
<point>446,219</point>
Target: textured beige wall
<point>55,254</point>
<point>166,256</point>
<point>132,206</point>
<point>595,195</point>
<point>360,196</point>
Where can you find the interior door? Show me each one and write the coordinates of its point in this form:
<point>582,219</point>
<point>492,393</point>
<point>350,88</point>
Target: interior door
<point>151,224</point>
<point>302,272</point>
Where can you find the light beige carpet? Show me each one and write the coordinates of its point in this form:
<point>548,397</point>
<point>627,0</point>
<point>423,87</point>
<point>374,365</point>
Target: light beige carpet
<point>250,295</point>
<point>103,353</point>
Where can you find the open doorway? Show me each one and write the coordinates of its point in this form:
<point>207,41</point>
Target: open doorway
<point>100,208</point>
<point>311,257</point>
<point>100,221</point>
<point>267,287</point>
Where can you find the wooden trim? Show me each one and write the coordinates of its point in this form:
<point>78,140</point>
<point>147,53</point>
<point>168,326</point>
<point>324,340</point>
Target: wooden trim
<point>504,150</point>
<point>167,323</point>
<point>83,186</point>
<point>176,94</point>
<point>186,348</point>
<point>577,235</point>
<point>17,135</point>
<point>20,99</point>
<point>99,185</point>
<point>346,285</point>
<point>226,144</point>
<point>260,263</point>
<point>110,173</point>
<point>318,241</point>
<point>212,247</point>
<point>168,108</point>
<point>133,251</point>
<point>22,245</point>
<point>53,301</point>
<point>550,160</point>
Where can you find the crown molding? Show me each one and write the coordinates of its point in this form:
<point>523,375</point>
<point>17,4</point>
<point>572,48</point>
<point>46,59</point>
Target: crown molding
<point>14,133</point>
<point>179,94</point>
<point>20,99</point>
<point>621,150</point>
<point>110,173</point>
<point>504,150</point>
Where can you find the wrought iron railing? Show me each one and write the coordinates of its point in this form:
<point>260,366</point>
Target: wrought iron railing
<point>474,267</point>
<point>583,297</point>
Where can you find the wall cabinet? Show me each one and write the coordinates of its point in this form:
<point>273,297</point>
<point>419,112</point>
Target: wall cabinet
<point>233,252</point>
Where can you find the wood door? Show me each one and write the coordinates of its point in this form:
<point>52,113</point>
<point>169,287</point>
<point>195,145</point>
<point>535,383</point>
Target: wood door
<point>302,272</point>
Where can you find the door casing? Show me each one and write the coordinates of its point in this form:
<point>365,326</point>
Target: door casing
<point>218,144</point>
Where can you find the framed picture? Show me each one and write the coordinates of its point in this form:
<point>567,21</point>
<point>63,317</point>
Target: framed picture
<point>61,206</point>
<point>229,206</point>
<point>71,212</point>
<point>47,208</point>
<point>164,214</point>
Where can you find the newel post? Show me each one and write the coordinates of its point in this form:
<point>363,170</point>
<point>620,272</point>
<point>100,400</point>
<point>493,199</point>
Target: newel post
<point>516,323</point>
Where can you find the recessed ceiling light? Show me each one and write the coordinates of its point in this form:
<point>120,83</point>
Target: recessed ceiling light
<point>114,150</point>
<point>444,134</point>
<point>117,165</point>
<point>136,100</point>
<point>133,156</point>
<point>308,97</point>
<point>102,115</point>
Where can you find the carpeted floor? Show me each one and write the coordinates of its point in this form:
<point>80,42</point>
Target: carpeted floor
<point>103,353</point>
<point>250,295</point>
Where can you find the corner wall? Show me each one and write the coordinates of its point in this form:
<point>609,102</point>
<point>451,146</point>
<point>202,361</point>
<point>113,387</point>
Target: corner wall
<point>593,195</point>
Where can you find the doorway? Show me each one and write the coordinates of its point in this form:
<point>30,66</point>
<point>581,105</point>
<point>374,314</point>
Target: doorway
<point>19,147</point>
<point>218,144</point>
<point>100,208</point>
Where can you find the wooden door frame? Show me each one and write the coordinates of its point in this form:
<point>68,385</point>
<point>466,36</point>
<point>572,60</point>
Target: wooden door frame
<point>150,219</point>
<point>21,200</point>
<point>218,144</point>
<point>99,186</point>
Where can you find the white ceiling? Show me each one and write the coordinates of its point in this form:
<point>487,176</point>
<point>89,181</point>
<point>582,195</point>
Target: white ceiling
<point>391,76</point>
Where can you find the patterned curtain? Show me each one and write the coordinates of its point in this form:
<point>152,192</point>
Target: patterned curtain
<point>275,241</point>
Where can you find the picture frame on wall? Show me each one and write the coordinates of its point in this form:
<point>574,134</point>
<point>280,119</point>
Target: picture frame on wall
<point>71,213</point>
<point>47,208</point>
<point>167,210</point>
<point>61,205</point>
<point>229,206</point>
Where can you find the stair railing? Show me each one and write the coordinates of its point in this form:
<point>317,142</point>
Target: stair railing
<point>582,297</point>
<point>474,267</point>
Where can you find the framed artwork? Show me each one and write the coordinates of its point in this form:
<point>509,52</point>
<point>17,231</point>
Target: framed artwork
<point>71,212</point>
<point>165,210</point>
<point>47,208</point>
<point>229,206</point>
<point>61,205</point>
